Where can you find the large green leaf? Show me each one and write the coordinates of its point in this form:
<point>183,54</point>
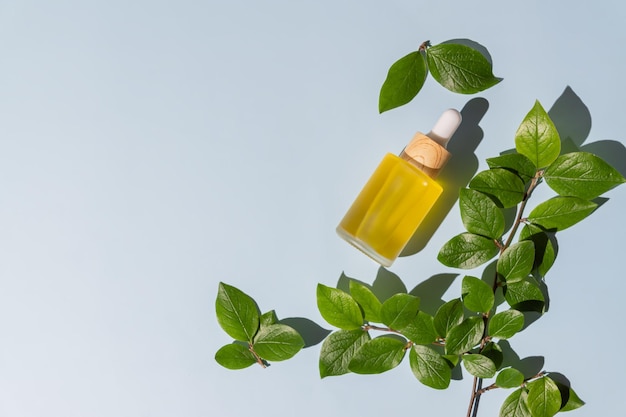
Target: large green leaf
<point>235,356</point>
<point>544,397</point>
<point>338,308</point>
<point>368,301</point>
<point>237,313</point>
<point>504,185</point>
<point>537,137</point>
<point>480,214</point>
<point>421,330</point>
<point>546,247</point>
<point>277,342</point>
<point>582,174</point>
<point>479,366</point>
<point>516,405</point>
<point>404,80</point>
<point>460,68</point>
<point>477,295</point>
<point>378,355</point>
<point>517,261</point>
<point>399,310</point>
<point>516,163</point>
<point>429,367</point>
<point>509,378</point>
<point>559,213</point>
<point>467,251</point>
<point>463,337</point>
<point>338,349</point>
<point>524,295</point>
<point>505,324</point>
<point>447,316</point>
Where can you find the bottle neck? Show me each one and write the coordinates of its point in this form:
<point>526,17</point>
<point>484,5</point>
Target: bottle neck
<point>426,154</point>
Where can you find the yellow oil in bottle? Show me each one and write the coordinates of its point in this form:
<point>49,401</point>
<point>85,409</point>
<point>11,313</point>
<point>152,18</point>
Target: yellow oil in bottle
<point>389,209</point>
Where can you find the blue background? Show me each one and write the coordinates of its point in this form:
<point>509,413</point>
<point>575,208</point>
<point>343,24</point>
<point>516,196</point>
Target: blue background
<point>151,149</point>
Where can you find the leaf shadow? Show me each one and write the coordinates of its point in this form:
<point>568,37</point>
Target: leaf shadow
<point>457,173</point>
<point>311,332</point>
<point>529,366</point>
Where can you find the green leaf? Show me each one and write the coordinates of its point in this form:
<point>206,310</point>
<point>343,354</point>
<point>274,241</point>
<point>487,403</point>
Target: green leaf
<point>494,352</point>
<point>477,295</point>
<point>235,356</point>
<point>537,137</point>
<point>546,247</point>
<point>367,300</point>
<point>479,366</point>
<point>506,324</point>
<point>505,186</point>
<point>517,261</point>
<point>338,349</point>
<point>516,405</point>
<point>559,213</point>
<point>582,174</point>
<point>338,308</point>
<point>515,162</point>
<point>573,401</point>
<point>524,295</point>
<point>447,316</point>
<point>544,397</point>
<point>467,251</point>
<point>237,313</point>
<point>399,310</point>
<point>509,378</point>
<point>429,367</point>
<point>480,214</point>
<point>277,342</point>
<point>269,318</point>
<point>404,80</point>
<point>465,336</point>
<point>460,68</point>
<point>378,355</point>
<point>421,330</point>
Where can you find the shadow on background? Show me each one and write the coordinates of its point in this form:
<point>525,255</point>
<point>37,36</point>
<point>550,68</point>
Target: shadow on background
<point>457,173</point>
<point>311,332</point>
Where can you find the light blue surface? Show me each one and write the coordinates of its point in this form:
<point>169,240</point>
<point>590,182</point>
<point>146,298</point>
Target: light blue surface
<point>149,150</point>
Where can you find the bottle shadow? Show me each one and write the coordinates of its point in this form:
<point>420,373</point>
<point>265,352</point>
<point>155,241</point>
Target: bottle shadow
<point>457,173</point>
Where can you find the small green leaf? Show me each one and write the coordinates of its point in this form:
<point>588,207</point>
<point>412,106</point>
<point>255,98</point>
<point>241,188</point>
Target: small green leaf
<point>573,401</point>
<point>429,367</point>
<point>460,68</point>
<point>467,251</point>
<point>269,318</point>
<point>505,186</point>
<point>237,313</point>
<point>399,310</point>
<point>524,295</point>
<point>235,356</point>
<point>338,308</point>
<point>477,295</point>
<point>546,247</point>
<point>506,324</point>
<point>582,174</point>
<point>544,397</point>
<point>378,355</point>
<point>480,214</point>
<point>509,378</point>
<point>494,352</point>
<point>479,366</point>
<point>338,349</point>
<point>463,337</point>
<point>421,330</point>
<point>517,261</point>
<point>448,315</point>
<point>367,300</point>
<point>277,342</point>
<point>537,137</point>
<point>404,80</point>
<point>559,213</point>
<point>515,162</point>
<point>516,405</point>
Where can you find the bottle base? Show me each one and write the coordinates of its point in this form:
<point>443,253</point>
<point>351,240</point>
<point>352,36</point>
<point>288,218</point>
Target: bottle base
<point>364,247</point>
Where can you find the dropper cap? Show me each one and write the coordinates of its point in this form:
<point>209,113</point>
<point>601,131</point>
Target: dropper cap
<point>428,152</point>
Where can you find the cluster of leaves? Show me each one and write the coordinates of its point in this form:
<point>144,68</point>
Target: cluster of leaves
<point>458,67</point>
<point>468,330</point>
<point>259,338</point>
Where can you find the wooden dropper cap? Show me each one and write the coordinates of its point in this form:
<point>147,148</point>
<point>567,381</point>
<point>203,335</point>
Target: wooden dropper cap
<point>428,152</point>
